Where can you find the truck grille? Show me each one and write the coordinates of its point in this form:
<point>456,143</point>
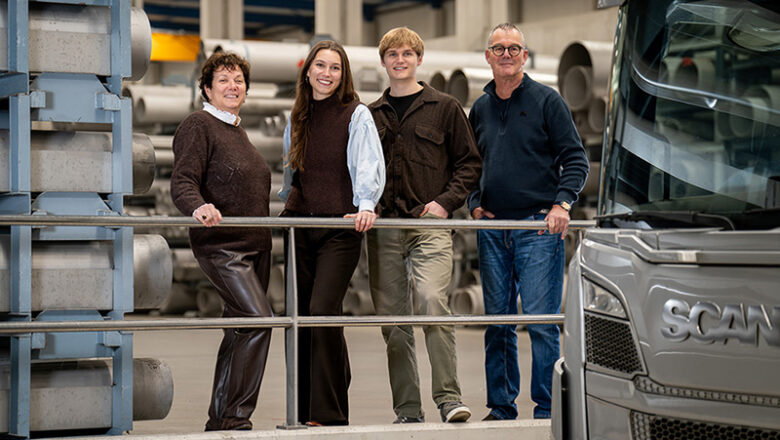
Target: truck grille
<point>650,427</point>
<point>647,385</point>
<point>609,344</point>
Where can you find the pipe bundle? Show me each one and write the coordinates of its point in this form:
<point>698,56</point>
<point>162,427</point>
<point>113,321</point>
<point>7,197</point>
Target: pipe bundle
<point>583,75</point>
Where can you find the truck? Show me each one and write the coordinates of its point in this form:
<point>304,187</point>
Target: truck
<point>672,324</point>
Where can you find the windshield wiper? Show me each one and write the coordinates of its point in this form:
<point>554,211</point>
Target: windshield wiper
<point>762,218</point>
<point>671,219</point>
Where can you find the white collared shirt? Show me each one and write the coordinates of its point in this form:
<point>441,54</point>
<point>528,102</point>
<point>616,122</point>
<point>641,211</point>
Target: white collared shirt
<point>365,161</point>
<point>226,117</point>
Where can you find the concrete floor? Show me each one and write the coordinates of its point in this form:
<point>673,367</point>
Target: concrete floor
<point>191,356</point>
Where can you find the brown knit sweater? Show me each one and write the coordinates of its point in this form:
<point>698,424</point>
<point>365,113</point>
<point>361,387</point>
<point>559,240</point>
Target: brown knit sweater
<point>214,162</point>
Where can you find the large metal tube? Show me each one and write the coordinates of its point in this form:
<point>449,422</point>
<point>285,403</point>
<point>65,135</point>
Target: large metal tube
<point>152,271</point>
<point>180,300</point>
<point>144,163</point>
<point>158,103</point>
<point>280,61</point>
<point>468,301</point>
<point>153,109</point>
<point>577,87</point>
<point>152,389</point>
<point>76,395</point>
<point>76,39</point>
<point>439,80</point>
<point>597,113</point>
<point>466,84</point>
<point>256,105</point>
<point>140,43</point>
<point>592,59</point>
<point>72,275</point>
<point>77,161</point>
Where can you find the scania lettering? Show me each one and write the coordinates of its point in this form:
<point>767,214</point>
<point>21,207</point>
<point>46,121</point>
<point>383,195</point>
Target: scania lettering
<point>672,327</point>
<point>733,323</point>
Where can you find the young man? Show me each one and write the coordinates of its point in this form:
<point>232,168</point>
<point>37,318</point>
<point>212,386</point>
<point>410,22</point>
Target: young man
<point>432,164</point>
<point>522,125</point>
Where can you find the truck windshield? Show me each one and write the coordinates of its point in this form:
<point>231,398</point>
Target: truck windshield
<point>694,122</point>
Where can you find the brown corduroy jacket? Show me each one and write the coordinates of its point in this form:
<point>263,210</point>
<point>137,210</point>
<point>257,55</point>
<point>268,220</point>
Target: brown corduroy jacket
<point>430,154</point>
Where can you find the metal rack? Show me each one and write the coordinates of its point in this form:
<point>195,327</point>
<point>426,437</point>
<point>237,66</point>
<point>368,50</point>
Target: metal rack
<point>67,98</point>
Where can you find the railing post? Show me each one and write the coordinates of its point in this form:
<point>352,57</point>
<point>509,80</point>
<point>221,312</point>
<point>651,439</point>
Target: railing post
<point>291,336</point>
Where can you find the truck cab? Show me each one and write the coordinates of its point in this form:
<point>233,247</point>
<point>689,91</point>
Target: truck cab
<point>672,327</point>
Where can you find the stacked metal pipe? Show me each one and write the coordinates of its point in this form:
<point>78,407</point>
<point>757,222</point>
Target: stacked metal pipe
<point>583,73</point>
<point>71,275</point>
<point>76,395</point>
<point>583,76</point>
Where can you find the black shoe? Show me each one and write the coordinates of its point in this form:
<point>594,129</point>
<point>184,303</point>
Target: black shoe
<point>454,412</point>
<point>490,417</point>
<point>402,419</point>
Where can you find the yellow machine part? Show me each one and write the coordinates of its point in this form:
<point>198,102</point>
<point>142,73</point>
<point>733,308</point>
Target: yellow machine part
<point>170,47</point>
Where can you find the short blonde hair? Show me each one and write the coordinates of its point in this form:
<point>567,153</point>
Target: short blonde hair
<point>398,37</point>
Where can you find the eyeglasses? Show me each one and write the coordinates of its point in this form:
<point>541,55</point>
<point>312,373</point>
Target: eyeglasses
<point>498,50</point>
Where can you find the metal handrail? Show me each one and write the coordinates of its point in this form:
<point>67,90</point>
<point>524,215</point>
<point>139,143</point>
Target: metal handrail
<point>16,327</point>
<point>290,323</point>
<point>275,222</point>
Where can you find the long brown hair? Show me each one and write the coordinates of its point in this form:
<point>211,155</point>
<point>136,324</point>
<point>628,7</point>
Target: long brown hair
<point>301,111</point>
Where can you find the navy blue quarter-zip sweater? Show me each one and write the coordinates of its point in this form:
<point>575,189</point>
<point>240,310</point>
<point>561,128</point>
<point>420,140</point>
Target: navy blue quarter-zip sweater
<point>532,156</point>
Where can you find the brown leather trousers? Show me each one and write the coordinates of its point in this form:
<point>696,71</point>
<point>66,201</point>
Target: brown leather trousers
<point>242,280</point>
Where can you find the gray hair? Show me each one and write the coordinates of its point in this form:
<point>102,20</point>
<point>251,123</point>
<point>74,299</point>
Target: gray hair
<point>506,27</point>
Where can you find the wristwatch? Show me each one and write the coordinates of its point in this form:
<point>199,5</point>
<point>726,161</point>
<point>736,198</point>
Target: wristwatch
<point>565,205</point>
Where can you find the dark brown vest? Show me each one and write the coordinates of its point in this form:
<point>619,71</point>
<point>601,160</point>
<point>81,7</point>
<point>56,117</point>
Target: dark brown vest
<point>324,187</point>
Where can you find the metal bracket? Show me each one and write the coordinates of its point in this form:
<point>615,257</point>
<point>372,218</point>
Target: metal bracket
<point>38,99</point>
<point>112,339</point>
<point>38,341</point>
<point>108,102</point>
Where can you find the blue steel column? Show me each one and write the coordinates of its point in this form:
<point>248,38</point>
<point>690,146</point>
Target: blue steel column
<point>122,173</point>
<point>21,249</point>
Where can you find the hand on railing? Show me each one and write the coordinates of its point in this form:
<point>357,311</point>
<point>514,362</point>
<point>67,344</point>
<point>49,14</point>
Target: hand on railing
<point>207,214</point>
<point>364,220</point>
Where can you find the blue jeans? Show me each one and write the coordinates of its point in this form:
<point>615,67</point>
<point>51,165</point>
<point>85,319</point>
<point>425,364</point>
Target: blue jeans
<point>513,262</point>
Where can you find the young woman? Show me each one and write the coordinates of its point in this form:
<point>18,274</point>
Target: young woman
<point>333,168</point>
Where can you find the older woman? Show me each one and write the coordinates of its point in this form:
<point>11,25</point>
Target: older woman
<point>216,172</point>
<point>334,167</point>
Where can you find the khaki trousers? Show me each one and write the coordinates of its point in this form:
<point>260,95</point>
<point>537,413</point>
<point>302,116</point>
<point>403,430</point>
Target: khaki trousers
<point>403,263</point>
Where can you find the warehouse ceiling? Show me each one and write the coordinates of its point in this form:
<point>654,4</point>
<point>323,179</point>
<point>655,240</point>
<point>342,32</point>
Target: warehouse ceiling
<point>260,16</point>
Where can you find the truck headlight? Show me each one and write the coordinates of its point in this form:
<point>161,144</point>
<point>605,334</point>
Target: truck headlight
<point>600,300</point>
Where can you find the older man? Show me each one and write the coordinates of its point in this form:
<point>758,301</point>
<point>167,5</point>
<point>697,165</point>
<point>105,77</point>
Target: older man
<point>534,165</point>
